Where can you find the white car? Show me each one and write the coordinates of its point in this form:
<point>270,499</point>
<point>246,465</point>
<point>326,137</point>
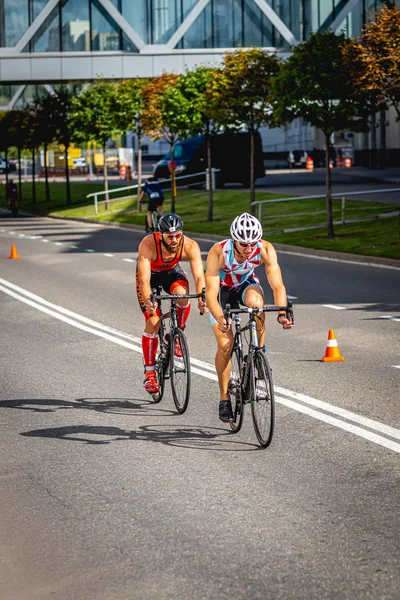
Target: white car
<point>79,162</point>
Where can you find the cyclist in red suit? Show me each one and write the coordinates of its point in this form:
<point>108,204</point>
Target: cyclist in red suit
<point>158,264</point>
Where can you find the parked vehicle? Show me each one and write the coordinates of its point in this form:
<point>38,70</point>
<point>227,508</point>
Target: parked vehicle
<point>7,168</point>
<point>230,154</point>
<point>297,158</point>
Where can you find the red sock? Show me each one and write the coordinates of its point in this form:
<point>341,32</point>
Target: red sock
<point>149,347</point>
<point>183,314</point>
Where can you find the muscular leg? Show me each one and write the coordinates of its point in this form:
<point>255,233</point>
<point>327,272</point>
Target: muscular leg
<point>223,359</point>
<point>183,308</point>
<point>152,324</point>
<point>253,298</point>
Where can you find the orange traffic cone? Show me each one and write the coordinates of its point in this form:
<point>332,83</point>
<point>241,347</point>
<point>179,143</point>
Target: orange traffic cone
<point>14,253</point>
<point>332,353</point>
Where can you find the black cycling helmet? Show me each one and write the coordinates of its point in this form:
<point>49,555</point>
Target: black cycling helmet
<point>170,223</point>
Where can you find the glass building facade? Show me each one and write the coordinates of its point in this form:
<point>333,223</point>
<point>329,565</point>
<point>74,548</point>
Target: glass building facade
<point>90,25</point>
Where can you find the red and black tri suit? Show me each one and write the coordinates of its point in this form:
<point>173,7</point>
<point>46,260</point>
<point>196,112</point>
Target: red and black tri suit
<point>167,274</point>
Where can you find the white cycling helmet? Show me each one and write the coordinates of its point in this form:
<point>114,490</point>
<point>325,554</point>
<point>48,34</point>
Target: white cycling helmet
<point>246,229</point>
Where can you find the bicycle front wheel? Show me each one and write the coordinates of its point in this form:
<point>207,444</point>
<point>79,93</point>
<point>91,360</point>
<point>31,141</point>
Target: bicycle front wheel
<point>161,367</point>
<point>180,371</point>
<point>235,389</point>
<point>262,399</point>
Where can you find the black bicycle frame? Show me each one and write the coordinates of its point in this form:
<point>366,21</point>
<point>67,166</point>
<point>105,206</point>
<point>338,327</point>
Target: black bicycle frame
<point>252,326</point>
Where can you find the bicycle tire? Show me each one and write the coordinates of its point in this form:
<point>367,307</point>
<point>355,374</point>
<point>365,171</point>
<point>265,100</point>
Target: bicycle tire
<point>180,372</point>
<point>262,398</point>
<point>161,367</point>
<point>235,389</point>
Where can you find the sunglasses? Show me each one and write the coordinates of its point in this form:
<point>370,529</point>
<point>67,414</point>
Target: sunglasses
<point>244,246</point>
<point>172,236</point>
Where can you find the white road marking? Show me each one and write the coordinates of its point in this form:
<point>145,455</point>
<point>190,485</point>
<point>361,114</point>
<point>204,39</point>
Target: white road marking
<point>334,306</point>
<point>58,243</point>
<point>360,426</point>
<point>21,235</point>
<point>45,241</point>
<point>390,318</point>
<point>11,232</point>
<point>128,260</point>
<point>291,297</point>
<point>396,366</point>
<point>109,255</point>
<point>89,250</point>
<point>73,246</point>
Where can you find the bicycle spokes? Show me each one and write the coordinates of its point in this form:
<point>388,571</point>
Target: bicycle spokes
<point>180,370</point>
<point>262,399</point>
<point>235,390</point>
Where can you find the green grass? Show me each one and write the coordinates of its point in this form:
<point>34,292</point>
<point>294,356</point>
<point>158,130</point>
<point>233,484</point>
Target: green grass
<point>379,237</point>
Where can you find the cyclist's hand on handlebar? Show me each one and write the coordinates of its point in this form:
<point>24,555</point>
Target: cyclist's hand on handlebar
<point>285,322</point>
<point>223,324</point>
<point>151,307</point>
<point>202,306</point>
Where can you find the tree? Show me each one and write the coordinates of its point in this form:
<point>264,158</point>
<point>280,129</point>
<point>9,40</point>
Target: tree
<point>33,140</point>
<point>7,135</point>
<point>164,116</point>
<point>93,119</point>
<point>128,108</point>
<point>241,93</point>
<point>375,59</point>
<point>47,107</point>
<point>64,127</point>
<point>193,93</point>
<point>315,84</point>
<point>18,129</point>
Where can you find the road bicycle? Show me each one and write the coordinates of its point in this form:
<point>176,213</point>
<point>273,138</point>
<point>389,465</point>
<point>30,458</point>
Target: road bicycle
<point>168,365</point>
<point>155,217</point>
<point>250,376</point>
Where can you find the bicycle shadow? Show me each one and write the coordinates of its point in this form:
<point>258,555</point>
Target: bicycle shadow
<point>191,437</point>
<point>120,406</point>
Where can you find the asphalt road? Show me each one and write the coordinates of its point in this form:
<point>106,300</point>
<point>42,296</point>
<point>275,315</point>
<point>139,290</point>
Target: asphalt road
<point>106,495</point>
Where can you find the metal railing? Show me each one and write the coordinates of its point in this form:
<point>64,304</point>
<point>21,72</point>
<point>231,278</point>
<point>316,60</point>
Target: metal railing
<point>342,196</point>
<point>107,193</point>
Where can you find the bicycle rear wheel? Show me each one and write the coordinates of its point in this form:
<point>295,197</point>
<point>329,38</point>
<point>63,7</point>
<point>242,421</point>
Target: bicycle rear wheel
<point>235,389</point>
<point>262,399</point>
<point>180,371</point>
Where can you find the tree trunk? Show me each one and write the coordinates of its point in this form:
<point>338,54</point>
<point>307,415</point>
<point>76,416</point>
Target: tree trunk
<point>329,217</point>
<point>46,174</point>
<point>19,174</point>
<point>6,169</point>
<point>382,149</point>
<point>139,169</point>
<point>68,183</point>
<point>33,178</point>
<point>173,181</point>
<point>106,205</point>
<point>252,193</point>
<point>210,179</point>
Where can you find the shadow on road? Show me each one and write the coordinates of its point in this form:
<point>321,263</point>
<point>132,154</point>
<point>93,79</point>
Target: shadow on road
<point>196,437</point>
<point>200,437</point>
<point>120,406</point>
